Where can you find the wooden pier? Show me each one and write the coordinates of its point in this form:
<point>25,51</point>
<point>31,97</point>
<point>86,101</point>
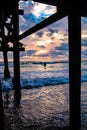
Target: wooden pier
<point>74,11</point>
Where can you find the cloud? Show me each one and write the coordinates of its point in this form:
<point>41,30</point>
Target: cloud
<point>40,34</point>
<point>84,49</point>
<point>57,53</point>
<point>30,52</point>
<point>53,30</point>
<point>23,53</point>
<point>84,42</point>
<point>53,39</point>
<point>62,47</point>
<point>34,13</point>
<point>84,20</point>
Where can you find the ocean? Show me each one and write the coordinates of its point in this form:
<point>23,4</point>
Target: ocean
<point>39,74</point>
<point>47,92</point>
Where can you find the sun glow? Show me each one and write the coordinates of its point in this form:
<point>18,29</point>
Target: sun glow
<point>41,52</point>
<point>41,43</point>
<point>40,9</point>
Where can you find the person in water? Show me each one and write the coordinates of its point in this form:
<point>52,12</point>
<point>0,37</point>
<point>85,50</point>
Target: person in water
<point>44,65</point>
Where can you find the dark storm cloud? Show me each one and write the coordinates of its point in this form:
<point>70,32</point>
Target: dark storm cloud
<point>30,52</point>
<point>84,52</point>
<point>52,30</point>
<point>84,42</point>
<point>41,46</point>
<point>40,34</point>
<point>31,17</point>
<point>84,20</point>
<point>23,53</point>
<point>55,53</point>
<point>62,47</point>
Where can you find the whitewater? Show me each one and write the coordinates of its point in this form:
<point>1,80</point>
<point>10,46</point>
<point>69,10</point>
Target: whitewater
<point>39,74</point>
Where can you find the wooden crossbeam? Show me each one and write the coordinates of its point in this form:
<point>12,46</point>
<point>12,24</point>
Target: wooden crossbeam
<point>50,2</point>
<point>12,49</point>
<point>82,5</point>
<point>84,10</point>
<point>44,23</point>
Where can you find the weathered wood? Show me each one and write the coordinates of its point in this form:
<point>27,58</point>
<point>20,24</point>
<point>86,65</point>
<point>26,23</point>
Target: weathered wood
<point>2,121</point>
<point>12,49</point>
<point>75,69</point>
<point>16,56</point>
<point>6,68</point>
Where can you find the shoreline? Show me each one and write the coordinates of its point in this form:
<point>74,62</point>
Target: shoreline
<point>44,108</point>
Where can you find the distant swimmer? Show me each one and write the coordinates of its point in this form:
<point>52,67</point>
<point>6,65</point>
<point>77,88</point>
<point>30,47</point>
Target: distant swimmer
<point>45,65</point>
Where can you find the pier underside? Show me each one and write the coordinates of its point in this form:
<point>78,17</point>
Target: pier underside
<point>9,32</point>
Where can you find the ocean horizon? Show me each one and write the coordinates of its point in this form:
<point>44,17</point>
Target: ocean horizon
<point>35,74</point>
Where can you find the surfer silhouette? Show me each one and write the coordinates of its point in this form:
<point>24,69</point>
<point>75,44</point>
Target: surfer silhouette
<point>44,65</point>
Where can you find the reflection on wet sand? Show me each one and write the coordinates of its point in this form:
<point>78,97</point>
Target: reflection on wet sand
<point>41,108</point>
<point>45,108</point>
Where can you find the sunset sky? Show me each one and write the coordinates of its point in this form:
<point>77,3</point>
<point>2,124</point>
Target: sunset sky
<point>51,42</point>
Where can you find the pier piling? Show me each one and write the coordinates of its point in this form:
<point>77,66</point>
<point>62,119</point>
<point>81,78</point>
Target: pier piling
<point>16,59</point>
<point>2,120</point>
<point>75,70</point>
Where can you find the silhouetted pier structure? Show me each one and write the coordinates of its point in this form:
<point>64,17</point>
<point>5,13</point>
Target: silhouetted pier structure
<point>74,11</point>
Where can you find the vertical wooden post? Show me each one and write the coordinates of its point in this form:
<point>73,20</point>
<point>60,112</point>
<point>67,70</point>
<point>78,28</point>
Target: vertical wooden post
<point>1,111</point>
<point>17,87</point>
<point>74,19</point>
<point>6,69</point>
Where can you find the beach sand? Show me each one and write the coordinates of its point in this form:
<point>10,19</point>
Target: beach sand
<point>44,108</point>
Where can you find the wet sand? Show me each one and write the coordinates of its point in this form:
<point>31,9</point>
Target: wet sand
<point>45,108</point>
